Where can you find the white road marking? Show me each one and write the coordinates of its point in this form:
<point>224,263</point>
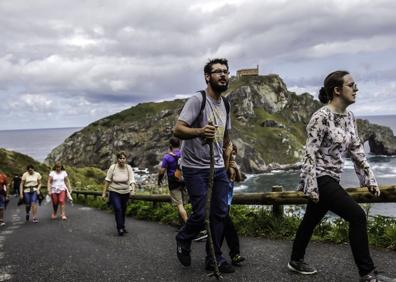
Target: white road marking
<point>85,209</point>
<point>7,232</point>
<point>5,276</point>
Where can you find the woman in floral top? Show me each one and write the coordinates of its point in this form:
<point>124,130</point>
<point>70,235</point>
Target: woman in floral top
<point>332,132</point>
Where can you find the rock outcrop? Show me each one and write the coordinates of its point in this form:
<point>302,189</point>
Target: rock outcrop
<point>380,138</point>
<point>268,126</point>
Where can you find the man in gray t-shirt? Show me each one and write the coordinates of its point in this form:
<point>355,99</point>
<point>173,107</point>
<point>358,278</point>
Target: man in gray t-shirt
<point>194,127</point>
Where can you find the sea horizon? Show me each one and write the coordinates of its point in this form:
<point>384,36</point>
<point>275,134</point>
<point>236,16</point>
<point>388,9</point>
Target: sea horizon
<point>82,126</point>
<point>38,143</point>
<point>44,128</point>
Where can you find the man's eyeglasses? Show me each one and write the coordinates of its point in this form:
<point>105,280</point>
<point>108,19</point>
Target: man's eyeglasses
<point>220,72</point>
<point>352,85</point>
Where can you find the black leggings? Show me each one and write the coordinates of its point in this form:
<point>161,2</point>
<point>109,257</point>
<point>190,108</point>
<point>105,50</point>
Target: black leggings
<point>230,235</point>
<point>334,198</point>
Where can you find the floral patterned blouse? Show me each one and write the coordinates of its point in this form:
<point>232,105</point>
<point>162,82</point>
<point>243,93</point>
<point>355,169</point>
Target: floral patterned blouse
<point>330,137</point>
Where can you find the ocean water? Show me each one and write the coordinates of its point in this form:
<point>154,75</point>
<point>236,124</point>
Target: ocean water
<point>37,143</point>
<point>384,168</point>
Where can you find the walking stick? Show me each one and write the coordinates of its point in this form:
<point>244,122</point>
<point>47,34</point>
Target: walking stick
<point>216,272</point>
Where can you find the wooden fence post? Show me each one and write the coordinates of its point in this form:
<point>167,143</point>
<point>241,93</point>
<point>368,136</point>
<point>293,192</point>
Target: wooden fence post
<point>277,210</point>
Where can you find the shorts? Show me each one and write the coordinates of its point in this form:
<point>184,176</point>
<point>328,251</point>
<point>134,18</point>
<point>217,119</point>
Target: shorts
<point>179,196</point>
<point>30,198</point>
<point>58,198</point>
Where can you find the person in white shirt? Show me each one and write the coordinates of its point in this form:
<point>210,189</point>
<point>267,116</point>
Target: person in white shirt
<point>120,182</point>
<point>59,188</point>
<point>29,190</point>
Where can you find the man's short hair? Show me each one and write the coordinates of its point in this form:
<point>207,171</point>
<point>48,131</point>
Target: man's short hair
<point>174,142</point>
<point>208,66</point>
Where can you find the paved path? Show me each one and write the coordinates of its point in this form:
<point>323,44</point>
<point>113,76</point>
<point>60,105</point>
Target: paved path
<point>86,248</point>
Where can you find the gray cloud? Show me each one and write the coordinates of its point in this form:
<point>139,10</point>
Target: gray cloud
<point>109,55</point>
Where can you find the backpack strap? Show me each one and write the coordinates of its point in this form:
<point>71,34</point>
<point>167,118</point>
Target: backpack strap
<point>203,104</point>
<point>226,105</point>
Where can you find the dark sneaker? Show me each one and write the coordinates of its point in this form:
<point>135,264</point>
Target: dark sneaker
<point>27,217</point>
<point>224,267</point>
<point>183,252</point>
<point>121,232</point>
<point>375,276</point>
<point>301,267</point>
<point>124,230</point>
<point>202,235</point>
<point>237,259</point>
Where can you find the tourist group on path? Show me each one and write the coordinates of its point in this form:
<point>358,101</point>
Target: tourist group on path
<point>28,188</point>
<point>206,158</point>
<point>331,133</point>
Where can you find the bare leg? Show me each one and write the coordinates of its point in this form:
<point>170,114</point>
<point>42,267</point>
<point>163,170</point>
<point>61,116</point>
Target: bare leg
<point>182,213</point>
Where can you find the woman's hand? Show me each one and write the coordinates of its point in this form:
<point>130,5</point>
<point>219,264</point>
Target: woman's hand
<point>314,197</point>
<point>104,195</point>
<point>374,190</point>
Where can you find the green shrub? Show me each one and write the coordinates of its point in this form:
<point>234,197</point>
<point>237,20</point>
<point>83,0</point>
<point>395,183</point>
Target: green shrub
<point>259,221</point>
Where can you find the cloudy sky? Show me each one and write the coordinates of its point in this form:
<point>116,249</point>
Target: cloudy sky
<point>68,63</point>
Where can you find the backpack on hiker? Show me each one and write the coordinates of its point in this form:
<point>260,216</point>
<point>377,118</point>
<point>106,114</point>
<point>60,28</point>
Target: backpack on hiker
<point>177,176</point>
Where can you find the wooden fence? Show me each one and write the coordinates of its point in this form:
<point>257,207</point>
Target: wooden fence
<point>277,198</point>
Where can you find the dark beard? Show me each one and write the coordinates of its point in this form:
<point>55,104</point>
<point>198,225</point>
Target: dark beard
<point>218,88</point>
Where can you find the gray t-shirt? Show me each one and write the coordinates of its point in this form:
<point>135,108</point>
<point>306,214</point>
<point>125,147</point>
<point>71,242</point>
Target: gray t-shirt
<point>194,153</point>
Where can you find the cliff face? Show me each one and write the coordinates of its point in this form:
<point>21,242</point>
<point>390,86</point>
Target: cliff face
<point>268,126</point>
<point>380,138</point>
<point>142,131</point>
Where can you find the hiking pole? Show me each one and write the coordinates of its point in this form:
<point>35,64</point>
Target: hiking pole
<point>216,272</point>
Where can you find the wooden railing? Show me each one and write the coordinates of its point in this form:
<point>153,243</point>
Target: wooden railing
<point>277,198</point>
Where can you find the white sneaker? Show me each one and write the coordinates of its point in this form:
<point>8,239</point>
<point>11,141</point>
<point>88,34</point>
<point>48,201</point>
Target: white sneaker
<point>202,235</point>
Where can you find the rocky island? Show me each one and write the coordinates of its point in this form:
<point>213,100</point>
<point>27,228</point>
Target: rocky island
<point>268,126</point>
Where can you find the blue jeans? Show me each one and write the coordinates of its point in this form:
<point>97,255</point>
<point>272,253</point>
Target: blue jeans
<point>197,187</point>
<point>119,203</point>
<point>30,198</point>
